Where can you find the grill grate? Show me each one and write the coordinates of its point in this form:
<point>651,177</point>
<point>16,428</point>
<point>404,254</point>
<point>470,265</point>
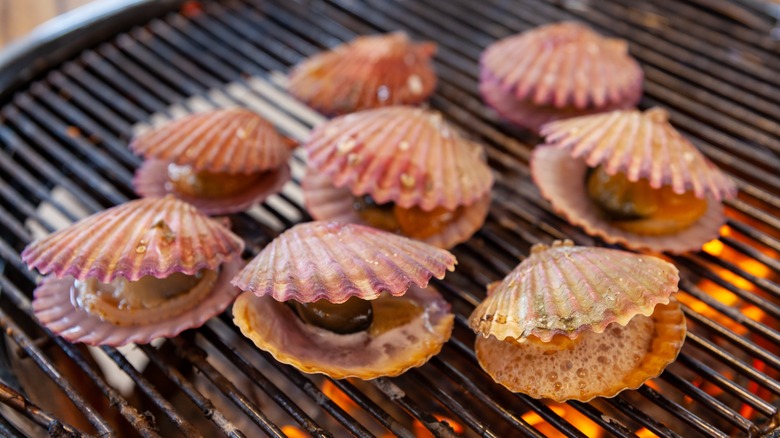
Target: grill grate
<point>63,155</point>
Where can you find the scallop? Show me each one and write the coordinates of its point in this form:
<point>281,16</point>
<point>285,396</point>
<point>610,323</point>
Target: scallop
<point>142,270</point>
<point>147,237</point>
<point>641,146</point>
<point>368,72</point>
<point>337,261</point>
<point>231,140</point>
<point>326,202</point>
<point>275,328</point>
<point>593,364</point>
<point>566,290</point>
<point>563,65</point>
<point>409,156</point>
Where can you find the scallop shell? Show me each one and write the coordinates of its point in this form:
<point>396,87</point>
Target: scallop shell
<point>369,72</point>
<point>567,289</point>
<point>326,202</point>
<point>336,261</point>
<point>564,65</point>
<point>273,327</point>
<point>641,145</point>
<point>528,115</point>
<point>593,365</point>
<point>53,306</point>
<point>151,180</point>
<point>561,180</point>
<point>406,155</point>
<point>231,140</point>
<point>151,236</point>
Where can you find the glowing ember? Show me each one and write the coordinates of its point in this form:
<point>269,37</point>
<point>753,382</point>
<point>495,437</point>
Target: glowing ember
<point>421,432</point>
<point>334,393</point>
<point>294,431</point>
<point>568,413</point>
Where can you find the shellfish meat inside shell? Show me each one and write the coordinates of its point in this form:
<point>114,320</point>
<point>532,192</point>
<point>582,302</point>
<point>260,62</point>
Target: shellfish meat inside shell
<point>144,301</point>
<point>185,180</point>
<point>411,222</point>
<point>593,364</point>
<point>404,333</point>
<point>636,207</point>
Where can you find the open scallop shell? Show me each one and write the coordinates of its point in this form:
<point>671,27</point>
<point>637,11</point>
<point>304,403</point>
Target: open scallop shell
<point>54,308</point>
<point>151,236</point>
<point>561,180</point>
<point>336,261</point>
<point>564,65</point>
<point>406,155</point>
<point>567,289</point>
<point>151,180</point>
<point>528,115</point>
<point>273,327</point>
<point>641,145</point>
<point>326,202</point>
<point>593,365</point>
<point>231,140</point>
<point>369,72</point>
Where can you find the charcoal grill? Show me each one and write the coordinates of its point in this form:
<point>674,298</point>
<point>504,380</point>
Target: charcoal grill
<point>70,100</point>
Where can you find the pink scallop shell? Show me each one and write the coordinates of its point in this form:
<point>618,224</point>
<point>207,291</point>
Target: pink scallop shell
<point>150,236</point>
<point>336,261</point>
<point>273,327</point>
<point>406,155</point>
<point>567,289</point>
<point>564,65</point>
<point>369,72</point>
<point>54,308</point>
<point>641,145</point>
<point>528,115</point>
<point>231,140</point>
<point>326,202</point>
<point>151,180</point>
<point>561,180</point>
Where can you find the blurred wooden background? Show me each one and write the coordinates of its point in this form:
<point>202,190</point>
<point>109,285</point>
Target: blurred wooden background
<point>19,17</point>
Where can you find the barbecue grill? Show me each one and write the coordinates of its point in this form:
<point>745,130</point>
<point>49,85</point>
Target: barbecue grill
<point>71,99</point>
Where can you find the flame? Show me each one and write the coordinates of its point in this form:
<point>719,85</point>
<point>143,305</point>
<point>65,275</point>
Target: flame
<point>334,393</point>
<point>645,433</point>
<point>294,431</point>
<point>573,416</point>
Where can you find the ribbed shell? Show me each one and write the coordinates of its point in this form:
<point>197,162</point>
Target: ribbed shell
<point>328,203</point>
<point>150,236</point>
<point>151,180</point>
<point>406,155</point>
<point>564,64</point>
<point>336,261</point>
<point>232,140</point>
<point>565,289</point>
<point>526,114</point>
<point>54,308</point>
<point>369,72</point>
<point>641,145</point>
<point>561,180</point>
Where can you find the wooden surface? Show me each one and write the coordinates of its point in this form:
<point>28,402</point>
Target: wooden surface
<point>19,17</point>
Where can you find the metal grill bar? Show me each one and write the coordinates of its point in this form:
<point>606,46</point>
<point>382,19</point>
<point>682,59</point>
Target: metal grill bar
<point>107,90</point>
<point>44,419</point>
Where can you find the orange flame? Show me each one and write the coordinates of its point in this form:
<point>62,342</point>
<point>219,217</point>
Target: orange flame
<point>294,431</point>
<point>338,396</point>
<point>421,432</point>
<point>573,416</point>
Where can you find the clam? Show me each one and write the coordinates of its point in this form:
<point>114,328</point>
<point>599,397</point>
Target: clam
<point>406,170</point>
<point>629,177</point>
<point>142,270</point>
<point>345,300</point>
<point>222,161</point>
<point>573,323</point>
<point>558,71</point>
<point>368,72</point>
